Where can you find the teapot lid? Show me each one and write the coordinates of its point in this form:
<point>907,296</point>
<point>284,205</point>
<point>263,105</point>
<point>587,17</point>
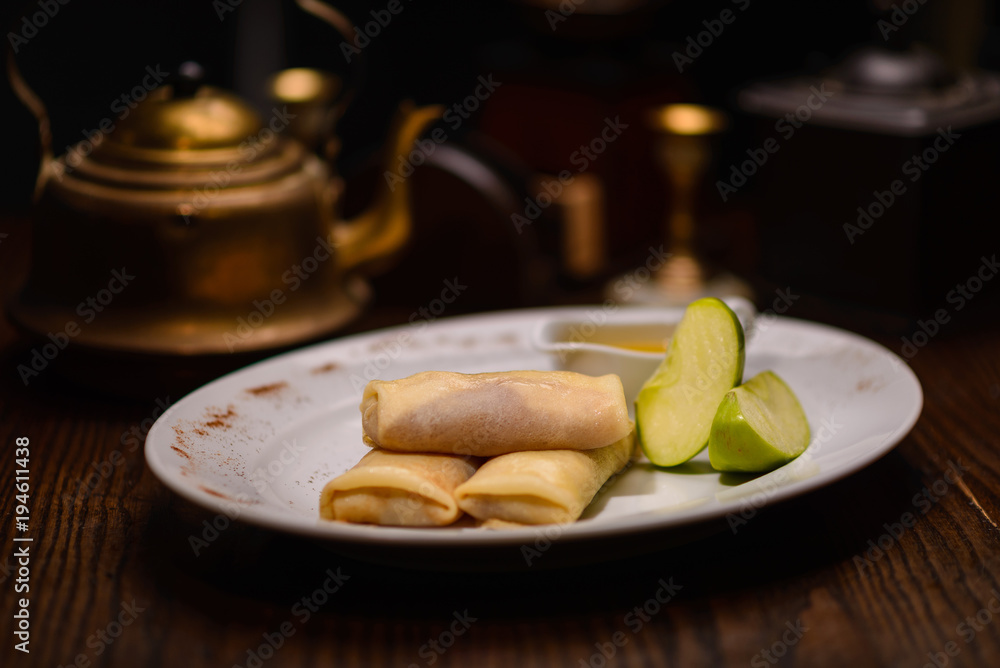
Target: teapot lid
<point>177,138</point>
<point>208,119</point>
<point>187,123</point>
<point>182,131</point>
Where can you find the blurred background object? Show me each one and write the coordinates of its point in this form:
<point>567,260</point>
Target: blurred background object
<point>684,148</point>
<point>884,185</point>
<point>544,123</point>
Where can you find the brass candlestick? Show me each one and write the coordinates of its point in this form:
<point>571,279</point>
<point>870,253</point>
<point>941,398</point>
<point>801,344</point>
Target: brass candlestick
<point>684,151</point>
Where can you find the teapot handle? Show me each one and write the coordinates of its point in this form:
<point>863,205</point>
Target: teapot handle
<point>34,104</point>
<point>343,25</point>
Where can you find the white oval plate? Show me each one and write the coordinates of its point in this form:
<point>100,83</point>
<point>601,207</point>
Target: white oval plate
<point>260,443</point>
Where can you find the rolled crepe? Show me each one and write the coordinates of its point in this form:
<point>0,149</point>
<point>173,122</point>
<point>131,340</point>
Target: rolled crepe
<point>398,489</point>
<point>547,487</point>
<point>488,414</point>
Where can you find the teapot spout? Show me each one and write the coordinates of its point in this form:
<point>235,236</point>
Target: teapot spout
<point>385,227</point>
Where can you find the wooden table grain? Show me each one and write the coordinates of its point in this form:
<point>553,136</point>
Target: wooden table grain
<point>897,565</point>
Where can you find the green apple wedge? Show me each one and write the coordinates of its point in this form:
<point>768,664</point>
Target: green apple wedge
<point>704,360</point>
<point>759,426</point>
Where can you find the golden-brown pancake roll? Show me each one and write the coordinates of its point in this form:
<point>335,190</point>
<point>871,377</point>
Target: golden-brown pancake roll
<point>488,414</point>
<point>398,489</point>
<point>544,487</point>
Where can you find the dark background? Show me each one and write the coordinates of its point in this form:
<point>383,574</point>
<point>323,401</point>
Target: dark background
<point>89,53</point>
<point>92,51</point>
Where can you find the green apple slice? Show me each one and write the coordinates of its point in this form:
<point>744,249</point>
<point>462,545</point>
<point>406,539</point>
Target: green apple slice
<point>759,426</point>
<point>704,360</point>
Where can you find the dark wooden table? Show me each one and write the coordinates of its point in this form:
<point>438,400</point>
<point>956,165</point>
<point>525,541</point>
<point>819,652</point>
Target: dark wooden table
<point>832,578</point>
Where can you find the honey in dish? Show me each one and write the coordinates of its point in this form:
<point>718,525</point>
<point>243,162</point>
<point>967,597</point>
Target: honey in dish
<point>652,346</point>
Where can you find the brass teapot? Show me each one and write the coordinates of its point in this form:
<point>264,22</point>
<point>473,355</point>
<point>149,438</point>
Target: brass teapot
<point>195,227</point>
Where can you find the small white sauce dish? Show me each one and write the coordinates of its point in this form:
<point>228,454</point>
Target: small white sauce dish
<point>626,340</point>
